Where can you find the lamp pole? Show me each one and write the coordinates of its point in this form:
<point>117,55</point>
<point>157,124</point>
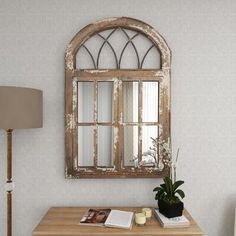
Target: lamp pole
<point>9,183</point>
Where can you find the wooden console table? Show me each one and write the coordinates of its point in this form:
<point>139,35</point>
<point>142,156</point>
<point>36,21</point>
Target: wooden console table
<point>64,221</point>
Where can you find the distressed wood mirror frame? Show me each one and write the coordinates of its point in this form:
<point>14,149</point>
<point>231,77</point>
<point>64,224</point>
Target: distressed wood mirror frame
<point>117,76</point>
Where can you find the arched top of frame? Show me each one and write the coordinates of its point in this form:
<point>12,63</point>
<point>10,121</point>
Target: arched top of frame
<point>112,25</point>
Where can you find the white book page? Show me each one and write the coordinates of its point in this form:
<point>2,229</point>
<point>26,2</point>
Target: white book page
<point>120,219</point>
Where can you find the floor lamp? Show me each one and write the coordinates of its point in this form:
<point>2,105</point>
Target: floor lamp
<point>20,108</point>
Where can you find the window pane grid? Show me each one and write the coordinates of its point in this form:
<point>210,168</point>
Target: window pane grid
<point>140,124</point>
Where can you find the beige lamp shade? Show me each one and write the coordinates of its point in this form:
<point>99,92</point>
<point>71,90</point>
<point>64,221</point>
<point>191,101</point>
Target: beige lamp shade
<point>20,108</point>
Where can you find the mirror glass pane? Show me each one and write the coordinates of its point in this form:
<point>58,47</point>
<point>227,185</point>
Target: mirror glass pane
<point>85,146</point>
<point>130,145</point>
<point>105,101</point>
<point>105,146</point>
<point>130,101</point>
<point>150,101</point>
<point>85,101</point>
<point>149,147</point>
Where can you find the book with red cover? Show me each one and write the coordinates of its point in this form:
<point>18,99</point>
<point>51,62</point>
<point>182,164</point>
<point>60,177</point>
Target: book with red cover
<point>95,217</point>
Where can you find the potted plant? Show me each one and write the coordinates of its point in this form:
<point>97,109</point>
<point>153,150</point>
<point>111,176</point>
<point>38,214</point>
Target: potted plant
<point>168,194</point>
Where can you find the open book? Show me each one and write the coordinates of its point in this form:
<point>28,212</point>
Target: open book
<point>108,218</point>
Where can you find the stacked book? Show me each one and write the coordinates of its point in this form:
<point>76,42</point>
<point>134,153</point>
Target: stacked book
<point>180,221</point>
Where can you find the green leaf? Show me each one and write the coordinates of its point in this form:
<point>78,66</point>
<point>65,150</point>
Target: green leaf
<point>177,184</point>
<point>165,188</point>
<point>162,195</point>
<point>180,192</point>
<point>157,189</point>
<point>159,194</point>
<point>169,186</point>
<point>163,185</point>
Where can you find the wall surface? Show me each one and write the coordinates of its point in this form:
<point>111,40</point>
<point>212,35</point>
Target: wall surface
<point>202,36</point>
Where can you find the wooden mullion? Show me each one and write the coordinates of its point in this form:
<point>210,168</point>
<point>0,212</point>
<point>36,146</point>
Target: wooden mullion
<point>116,133</point>
<point>75,145</point>
<point>112,79</point>
<point>140,114</point>
<point>94,123</point>
<point>158,127</point>
<point>95,128</point>
<point>140,123</point>
<point>105,123</point>
<point>161,110</point>
<point>87,74</point>
<point>120,125</point>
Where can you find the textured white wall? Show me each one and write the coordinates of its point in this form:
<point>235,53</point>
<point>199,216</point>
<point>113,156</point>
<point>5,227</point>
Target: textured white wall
<point>202,36</point>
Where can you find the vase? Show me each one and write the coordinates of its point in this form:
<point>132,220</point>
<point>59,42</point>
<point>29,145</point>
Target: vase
<point>170,210</point>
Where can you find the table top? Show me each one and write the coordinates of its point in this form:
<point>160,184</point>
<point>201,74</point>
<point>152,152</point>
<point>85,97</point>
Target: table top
<point>64,221</point>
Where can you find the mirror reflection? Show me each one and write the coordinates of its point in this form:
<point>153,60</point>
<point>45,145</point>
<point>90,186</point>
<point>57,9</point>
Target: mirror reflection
<point>105,146</point>
<point>130,101</point>
<point>150,101</point>
<point>85,101</point>
<point>105,101</point>
<point>130,147</point>
<point>149,147</point>
<point>85,146</point>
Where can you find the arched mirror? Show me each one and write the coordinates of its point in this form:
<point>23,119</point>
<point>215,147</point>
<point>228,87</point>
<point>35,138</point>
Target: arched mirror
<point>117,122</point>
